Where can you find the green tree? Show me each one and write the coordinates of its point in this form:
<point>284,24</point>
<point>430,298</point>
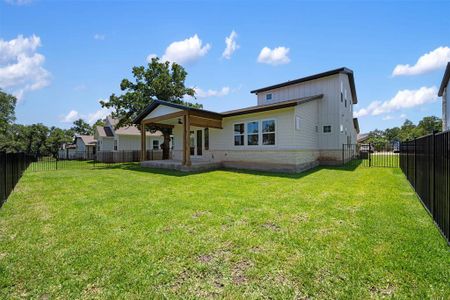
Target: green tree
<point>428,125</point>
<point>82,127</point>
<point>56,138</point>
<point>7,110</point>
<point>159,80</point>
<point>99,122</point>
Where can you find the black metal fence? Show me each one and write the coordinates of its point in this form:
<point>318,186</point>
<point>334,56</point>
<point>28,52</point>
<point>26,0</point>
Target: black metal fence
<point>381,155</point>
<point>12,166</point>
<point>426,164</point>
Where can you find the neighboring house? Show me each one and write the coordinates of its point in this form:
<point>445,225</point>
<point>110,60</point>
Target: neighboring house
<point>83,147</point>
<point>125,138</point>
<point>444,92</point>
<point>362,138</point>
<point>295,125</point>
<point>67,151</point>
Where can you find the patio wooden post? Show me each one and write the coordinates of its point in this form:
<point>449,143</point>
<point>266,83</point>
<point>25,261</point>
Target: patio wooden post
<point>143,143</point>
<point>186,141</point>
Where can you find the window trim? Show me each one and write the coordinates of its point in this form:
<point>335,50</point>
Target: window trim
<point>116,145</point>
<point>274,132</point>
<point>153,145</point>
<point>243,133</point>
<point>271,97</point>
<point>260,144</point>
<point>258,134</point>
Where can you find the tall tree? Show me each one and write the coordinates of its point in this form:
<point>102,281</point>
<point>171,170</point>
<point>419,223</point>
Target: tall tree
<point>428,125</point>
<point>82,127</point>
<point>56,138</point>
<point>7,110</point>
<point>159,80</point>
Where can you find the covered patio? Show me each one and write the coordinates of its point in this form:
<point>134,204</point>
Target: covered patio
<point>163,114</point>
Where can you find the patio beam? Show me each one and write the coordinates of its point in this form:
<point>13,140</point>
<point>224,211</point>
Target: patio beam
<point>164,117</point>
<point>205,122</point>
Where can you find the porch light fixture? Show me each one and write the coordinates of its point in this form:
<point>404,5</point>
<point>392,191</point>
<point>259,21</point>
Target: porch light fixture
<point>179,121</point>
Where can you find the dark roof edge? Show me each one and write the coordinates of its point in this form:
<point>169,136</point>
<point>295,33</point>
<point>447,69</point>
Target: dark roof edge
<point>274,106</point>
<point>444,80</point>
<point>156,103</point>
<point>356,124</point>
<point>344,70</point>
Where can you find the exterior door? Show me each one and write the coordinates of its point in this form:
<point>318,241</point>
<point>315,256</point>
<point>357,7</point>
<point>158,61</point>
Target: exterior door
<point>196,143</point>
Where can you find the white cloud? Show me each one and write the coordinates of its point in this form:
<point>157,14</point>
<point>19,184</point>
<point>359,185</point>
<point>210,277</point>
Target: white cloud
<point>150,56</point>
<point>402,100</point>
<point>231,45</point>
<point>99,114</point>
<point>70,117</point>
<point>212,93</point>
<point>430,61</point>
<point>99,37</point>
<point>186,51</point>
<point>21,67</point>
<point>277,56</point>
<point>91,118</point>
<point>403,116</point>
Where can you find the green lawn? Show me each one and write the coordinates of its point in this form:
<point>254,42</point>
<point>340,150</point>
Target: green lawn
<point>131,233</point>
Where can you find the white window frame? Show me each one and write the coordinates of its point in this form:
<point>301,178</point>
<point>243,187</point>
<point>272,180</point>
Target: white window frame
<point>274,132</point>
<point>153,144</point>
<point>260,145</point>
<point>258,122</point>
<point>234,134</point>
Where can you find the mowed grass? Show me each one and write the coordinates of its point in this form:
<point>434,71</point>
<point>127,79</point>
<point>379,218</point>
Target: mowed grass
<point>135,233</point>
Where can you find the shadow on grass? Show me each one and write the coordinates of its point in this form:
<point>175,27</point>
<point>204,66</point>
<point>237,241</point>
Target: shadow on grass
<point>350,166</point>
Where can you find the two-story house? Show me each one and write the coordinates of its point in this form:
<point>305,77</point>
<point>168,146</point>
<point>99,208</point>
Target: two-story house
<point>295,125</point>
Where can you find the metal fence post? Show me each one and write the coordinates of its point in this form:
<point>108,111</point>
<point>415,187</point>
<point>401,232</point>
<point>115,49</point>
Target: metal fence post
<point>343,156</point>
<point>433,171</point>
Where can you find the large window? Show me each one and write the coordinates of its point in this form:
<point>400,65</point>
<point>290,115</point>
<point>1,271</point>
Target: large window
<point>239,134</point>
<point>268,132</point>
<point>252,133</point>
<point>206,138</point>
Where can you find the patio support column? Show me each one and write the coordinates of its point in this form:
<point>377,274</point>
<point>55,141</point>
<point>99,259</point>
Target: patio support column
<point>143,143</point>
<point>186,140</point>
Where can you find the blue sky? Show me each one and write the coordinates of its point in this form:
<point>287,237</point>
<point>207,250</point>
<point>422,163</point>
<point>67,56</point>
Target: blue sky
<point>73,53</point>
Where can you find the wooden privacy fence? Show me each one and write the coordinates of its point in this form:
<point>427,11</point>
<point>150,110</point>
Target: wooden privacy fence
<point>12,166</point>
<point>426,164</point>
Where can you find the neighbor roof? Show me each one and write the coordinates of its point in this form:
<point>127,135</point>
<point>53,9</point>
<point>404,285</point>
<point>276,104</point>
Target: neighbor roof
<point>278,105</point>
<point>313,77</point>
<point>362,137</point>
<point>105,131</point>
<point>87,139</point>
<point>445,79</point>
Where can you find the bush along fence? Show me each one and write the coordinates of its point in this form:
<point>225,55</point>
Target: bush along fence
<point>12,166</point>
<point>426,164</point>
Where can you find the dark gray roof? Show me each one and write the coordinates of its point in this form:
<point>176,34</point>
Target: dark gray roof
<point>444,80</point>
<point>313,77</point>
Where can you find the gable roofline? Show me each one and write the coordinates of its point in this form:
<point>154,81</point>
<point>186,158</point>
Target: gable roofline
<point>342,70</point>
<point>268,107</point>
<point>155,103</point>
<point>445,79</point>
